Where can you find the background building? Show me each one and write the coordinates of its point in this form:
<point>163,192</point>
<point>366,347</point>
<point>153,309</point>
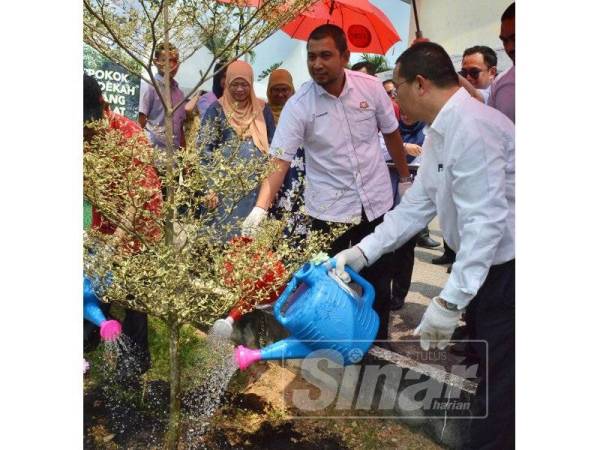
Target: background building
<point>457,25</point>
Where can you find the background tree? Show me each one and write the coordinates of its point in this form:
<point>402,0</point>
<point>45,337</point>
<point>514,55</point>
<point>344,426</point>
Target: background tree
<point>265,73</point>
<point>378,61</point>
<point>174,265</point>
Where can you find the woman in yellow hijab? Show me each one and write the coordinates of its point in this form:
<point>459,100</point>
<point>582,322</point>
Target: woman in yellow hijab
<point>238,114</point>
<point>279,90</point>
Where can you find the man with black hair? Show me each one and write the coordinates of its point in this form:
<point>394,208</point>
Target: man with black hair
<point>390,88</point>
<point>336,118</point>
<point>467,178</point>
<point>479,68</point>
<point>364,67</point>
<point>502,95</point>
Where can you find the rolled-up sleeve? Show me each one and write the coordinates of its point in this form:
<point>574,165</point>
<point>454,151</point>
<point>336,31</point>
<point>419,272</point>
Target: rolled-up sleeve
<point>479,193</point>
<point>400,224</point>
<point>289,134</point>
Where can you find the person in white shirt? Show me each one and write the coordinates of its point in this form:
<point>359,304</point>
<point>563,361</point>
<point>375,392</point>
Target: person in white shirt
<point>336,118</point>
<point>467,178</point>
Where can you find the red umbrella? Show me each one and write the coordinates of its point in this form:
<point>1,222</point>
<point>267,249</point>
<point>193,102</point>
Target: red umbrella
<point>367,28</point>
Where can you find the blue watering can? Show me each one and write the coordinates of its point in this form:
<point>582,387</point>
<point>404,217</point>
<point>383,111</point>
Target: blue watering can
<point>321,312</point>
<point>109,329</point>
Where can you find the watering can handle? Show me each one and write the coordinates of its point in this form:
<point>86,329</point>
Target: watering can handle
<point>368,290</point>
<point>291,287</point>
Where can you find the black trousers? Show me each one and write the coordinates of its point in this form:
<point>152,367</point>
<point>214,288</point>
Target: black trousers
<point>490,316</point>
<point>403,261</point>
<point>380,274</point>
<point>448,251</point>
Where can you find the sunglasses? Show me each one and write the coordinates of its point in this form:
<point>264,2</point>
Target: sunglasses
<point>391,93</point>
<point>473,73</point>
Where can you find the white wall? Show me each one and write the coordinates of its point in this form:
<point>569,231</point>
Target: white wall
<point>459,24</point>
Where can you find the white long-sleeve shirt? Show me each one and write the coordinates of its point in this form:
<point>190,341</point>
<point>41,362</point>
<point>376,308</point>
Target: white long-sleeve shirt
<point>467,177</point>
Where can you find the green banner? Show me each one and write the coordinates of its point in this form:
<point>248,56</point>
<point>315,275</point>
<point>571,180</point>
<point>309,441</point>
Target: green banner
<point>120,88</point>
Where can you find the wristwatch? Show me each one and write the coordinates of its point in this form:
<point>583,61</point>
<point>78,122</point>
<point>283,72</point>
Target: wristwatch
<point>407,179</point>
<point>447,305</point>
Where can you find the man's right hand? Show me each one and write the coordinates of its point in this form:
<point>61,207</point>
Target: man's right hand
<point>413,149</point>
<point>352,257</point>
<point>251,222</point>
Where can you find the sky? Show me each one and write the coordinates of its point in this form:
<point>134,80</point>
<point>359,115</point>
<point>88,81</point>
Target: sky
<point>277,47</point>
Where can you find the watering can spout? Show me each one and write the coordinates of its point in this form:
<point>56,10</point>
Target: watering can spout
<point>289,348</point>
<point>91,304</point>
<point>223,328</point>
<point>109,329</point>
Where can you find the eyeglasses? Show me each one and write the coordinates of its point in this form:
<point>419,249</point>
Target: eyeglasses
<point>473,72</point>
<point>281,90</point>
<point>391,93</point>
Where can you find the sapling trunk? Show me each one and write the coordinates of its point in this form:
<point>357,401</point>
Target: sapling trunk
<point>173,432</point>
<point>172,439</point>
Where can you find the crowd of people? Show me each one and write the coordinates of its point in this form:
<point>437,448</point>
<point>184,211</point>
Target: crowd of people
<point>385,158</point>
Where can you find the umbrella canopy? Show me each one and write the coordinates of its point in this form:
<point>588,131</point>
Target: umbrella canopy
<point>367,28</point>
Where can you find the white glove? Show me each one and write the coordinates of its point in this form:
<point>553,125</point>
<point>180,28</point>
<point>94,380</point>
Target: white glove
<point>353,257</point>
<point>403,187</point>
<point>437,325</point>
<point>251,222</point>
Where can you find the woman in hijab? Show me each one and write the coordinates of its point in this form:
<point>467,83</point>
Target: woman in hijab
<point>239,114</point>
<point>279,90</point>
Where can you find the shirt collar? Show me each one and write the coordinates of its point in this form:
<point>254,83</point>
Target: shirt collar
<point>441,121</point>
<point>348,85</point>
<point>160,78</point>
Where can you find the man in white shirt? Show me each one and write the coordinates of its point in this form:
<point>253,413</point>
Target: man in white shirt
<point>467,178</point>
<point>336,118</point>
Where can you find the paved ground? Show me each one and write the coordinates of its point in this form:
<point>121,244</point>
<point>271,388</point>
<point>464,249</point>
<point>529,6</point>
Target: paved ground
<point>427,282</point>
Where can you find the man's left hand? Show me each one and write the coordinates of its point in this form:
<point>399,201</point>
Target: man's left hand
<point>437,325</point>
